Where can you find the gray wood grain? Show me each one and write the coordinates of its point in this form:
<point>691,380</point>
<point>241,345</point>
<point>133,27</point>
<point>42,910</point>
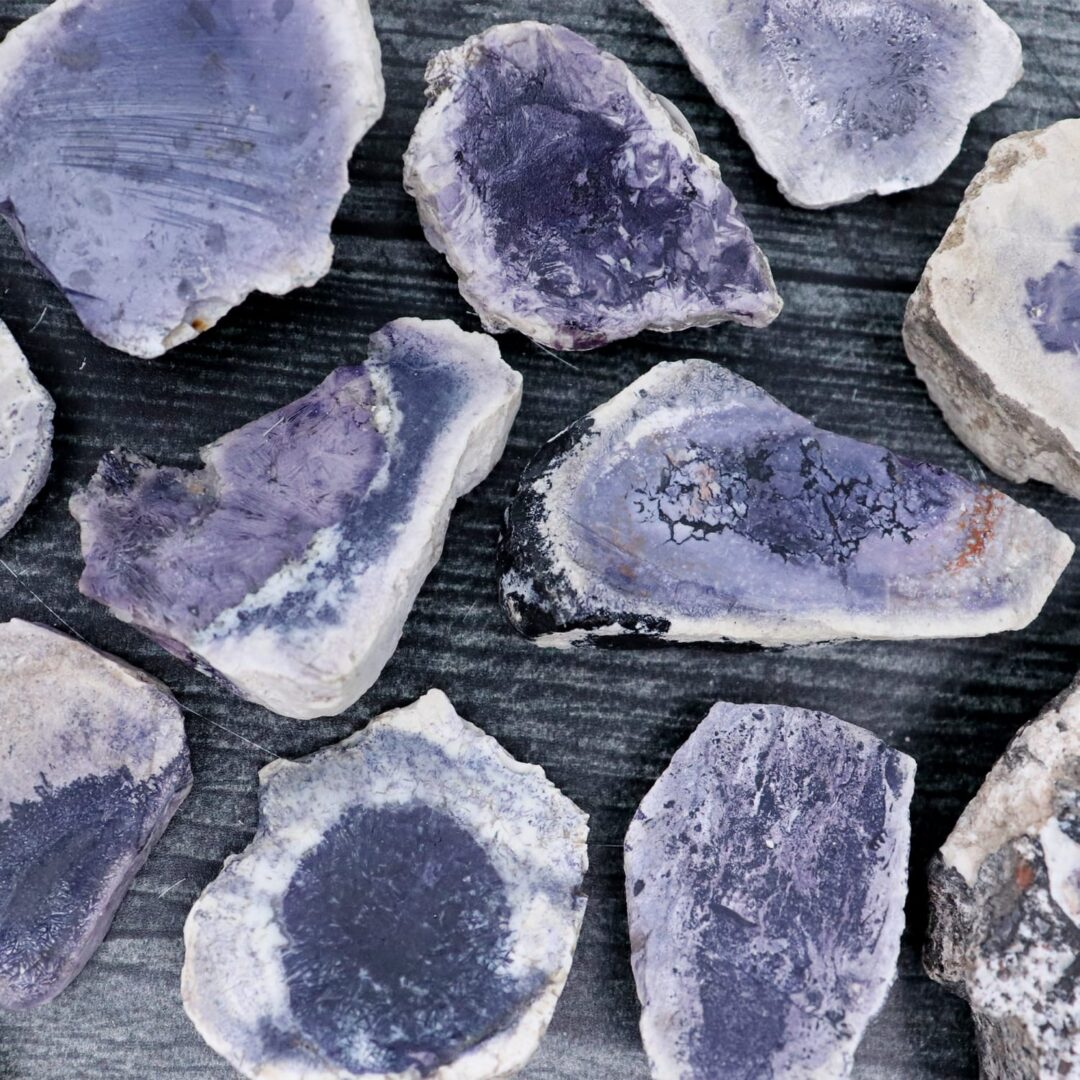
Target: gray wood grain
<point>603,724</point>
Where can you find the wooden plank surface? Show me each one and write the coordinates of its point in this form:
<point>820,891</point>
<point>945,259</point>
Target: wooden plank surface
<point>602,723</point>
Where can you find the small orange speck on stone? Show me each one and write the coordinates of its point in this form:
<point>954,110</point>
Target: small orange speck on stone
<point>1025,875</point>
<point>198,324</point>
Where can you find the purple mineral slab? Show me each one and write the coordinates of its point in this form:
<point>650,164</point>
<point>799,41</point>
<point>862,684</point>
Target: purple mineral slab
<point>26,429</point>
<point>1005,903</point>
<point>994,327</point>
<point>694,506</point>
<point>409,907</point>
<point>840,99</point>
<point>572,202</point>
<point>93,764</point>
<point>161,160</point>
<point>766,873</point>
<point>288,564</point>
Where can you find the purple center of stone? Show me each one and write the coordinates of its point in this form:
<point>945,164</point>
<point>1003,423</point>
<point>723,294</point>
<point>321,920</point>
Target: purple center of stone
<point>1054,304</point>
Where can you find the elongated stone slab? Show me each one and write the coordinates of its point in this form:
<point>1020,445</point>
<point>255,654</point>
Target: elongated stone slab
<point>162,165</point>
<point>288,564</point>
<point>573,203</point>
<point>840,99</point>
<point>994,326</point>
<point>93,765</point>
<point>766,872</point>
<point>1005,903</point>
<point>26,430</point>
<point>409,906</point>
<point>695,507</point>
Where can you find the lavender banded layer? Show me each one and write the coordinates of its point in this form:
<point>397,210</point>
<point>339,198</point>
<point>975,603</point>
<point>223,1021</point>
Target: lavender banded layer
<point>695,507</point>
<point>26,430</point>
<point>409,907</point>
<point>93,764</point>
<point>840,99</point>
<point>994,326</point>
<point>159,161</point>
<point>287,565</point>
<point>766,873</point>
<point>573,203</point>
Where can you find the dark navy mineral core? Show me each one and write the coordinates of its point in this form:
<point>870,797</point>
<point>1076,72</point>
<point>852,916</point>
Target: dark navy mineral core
<point>398,929</point>
<point>1054,304</point>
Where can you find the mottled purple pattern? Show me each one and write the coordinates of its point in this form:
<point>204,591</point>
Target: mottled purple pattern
<point>766,874</point>
<point>161,158</point>
<point>1054,304</point>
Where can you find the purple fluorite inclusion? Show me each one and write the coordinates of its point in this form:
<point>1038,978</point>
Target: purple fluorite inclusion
<point>288,564</point>
<point>766,873</point>
<point>160,160</point>
<point>694,506</point>
<point>1054,303</point>
<point>93,764</point>
<point>573,203</point>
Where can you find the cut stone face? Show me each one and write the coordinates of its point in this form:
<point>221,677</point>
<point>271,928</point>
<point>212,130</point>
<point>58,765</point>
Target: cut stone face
<point>1005,903</point>
<point>288,564</point>
<point>994,326</point>
<point>572,202</point>
<point>409,906</point>
<point>26,430</point>
<point>840,99</point>
<point>161,168</point>
<point>695,507</point>
<point>93,764</point>
<point>766,873</point>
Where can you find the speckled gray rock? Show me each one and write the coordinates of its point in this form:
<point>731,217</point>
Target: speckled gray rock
<point>409,907</point>
<point>573,203</point>
<point>1005,903</point>
<point>288,564</point>
<point>26,430</point>
<point>160,166</point>
<point>840,99</point>
<point>994,326</point>
<point>93,764</point>
<point>766,873</point>
<point>693,506</point>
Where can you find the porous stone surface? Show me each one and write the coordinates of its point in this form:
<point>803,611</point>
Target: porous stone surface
<point>840,99</point>
<point>1005,903</point>
<point>695,507</point>
<point>766,872</point>
<point>409,907</point>
<point>26,430</point>
<point>160,164</point>
<point>93,764</point>
<point>288,564</point>
<point>994,326</point>
<point>573,203</point>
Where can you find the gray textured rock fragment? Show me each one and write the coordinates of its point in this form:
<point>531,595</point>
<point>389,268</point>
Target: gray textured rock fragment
<point>994,326</point>
<point>1005,903</point>
<point>573,203</point>
<point>766,873</point>
<point>26,430</point>
<point>409,907</point>
<point>93,764</point>
<point>840,99</point>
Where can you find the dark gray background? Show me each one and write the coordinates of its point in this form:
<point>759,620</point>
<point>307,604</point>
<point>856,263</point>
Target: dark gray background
<point>603,724</point>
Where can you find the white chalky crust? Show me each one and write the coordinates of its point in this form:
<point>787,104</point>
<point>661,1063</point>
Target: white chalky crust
<point>1010,400</point>
<point>26,429</point>
<point>233,977</point>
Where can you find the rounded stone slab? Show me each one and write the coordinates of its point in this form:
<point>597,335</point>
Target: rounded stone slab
<point>1005,903</point>
<point>840,99</point>
<point>409,907</point>
<point>766,873</point>
<point>26,430</point>
<point>573,203</point>
<point>160,164</point>
<point>693,506</point>
<point>93,764</point>
<point>994,326</point>
<point>288,564</point>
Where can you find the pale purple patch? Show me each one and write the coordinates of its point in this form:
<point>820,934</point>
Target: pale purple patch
<point>1054,304</point>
